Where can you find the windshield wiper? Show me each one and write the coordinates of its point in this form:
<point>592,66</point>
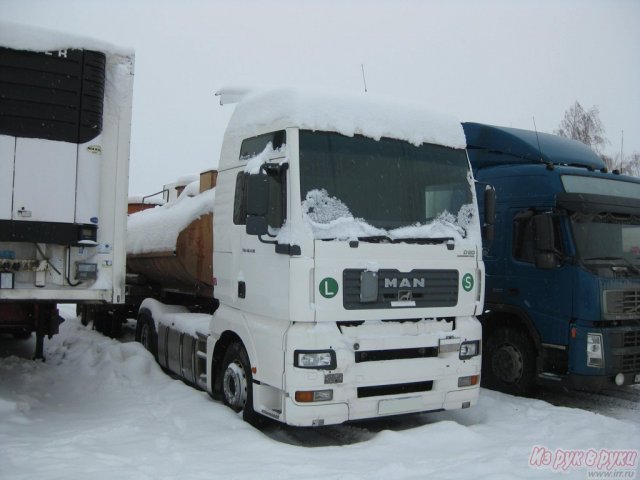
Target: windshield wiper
<point>417,240</point>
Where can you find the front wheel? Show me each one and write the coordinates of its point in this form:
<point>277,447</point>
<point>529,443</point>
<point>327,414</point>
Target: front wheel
<point>509,362</point>
<point>146,332</point>
<point>237,382</point>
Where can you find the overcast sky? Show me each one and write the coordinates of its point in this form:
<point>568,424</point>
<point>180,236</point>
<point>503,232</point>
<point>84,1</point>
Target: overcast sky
<point>493,61</point>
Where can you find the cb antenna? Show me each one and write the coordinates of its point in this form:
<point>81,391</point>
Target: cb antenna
<point>621,148</point>
<point>364,78</point>
<point>535,127</point>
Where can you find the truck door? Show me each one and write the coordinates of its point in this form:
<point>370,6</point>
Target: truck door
<point>263,273</point>
<point>543,292</point>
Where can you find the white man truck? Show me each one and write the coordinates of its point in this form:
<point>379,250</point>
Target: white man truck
<point>347,266</point>
<point>65,117</point>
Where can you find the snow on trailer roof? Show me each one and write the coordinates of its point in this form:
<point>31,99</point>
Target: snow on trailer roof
<point>348,113</point>
<point>26,37</point>
<point>157,229</point>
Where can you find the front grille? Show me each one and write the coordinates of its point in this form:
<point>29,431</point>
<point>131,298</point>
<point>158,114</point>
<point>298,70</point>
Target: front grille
<point>631,363</point>
<point>622,302</point>
<point>422,288</point>
<point>631,339</point>
<point>381,390</point>
<point>397,354</point>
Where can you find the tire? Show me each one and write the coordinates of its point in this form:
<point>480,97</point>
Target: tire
<point>146,332</point>
<point>84,313</point>
<point>23,334</point>
<point>236,382</point>
<point>509,362</point>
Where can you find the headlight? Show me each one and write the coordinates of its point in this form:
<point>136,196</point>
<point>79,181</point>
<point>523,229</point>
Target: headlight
<point>594,350</point>
<point>469,349</point>
<point>318,359</point>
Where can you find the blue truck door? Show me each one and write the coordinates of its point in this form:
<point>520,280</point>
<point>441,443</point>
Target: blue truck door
<point>545,295</point>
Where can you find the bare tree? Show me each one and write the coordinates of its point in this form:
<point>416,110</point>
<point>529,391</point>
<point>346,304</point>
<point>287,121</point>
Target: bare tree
<point>585,126</point>
<point>631,165</point>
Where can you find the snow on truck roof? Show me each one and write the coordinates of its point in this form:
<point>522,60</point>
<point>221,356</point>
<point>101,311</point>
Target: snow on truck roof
<point>24,37</point>
<point>348,113</point>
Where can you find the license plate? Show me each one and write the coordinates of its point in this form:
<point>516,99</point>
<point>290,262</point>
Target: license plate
<point>400,405</point>
<point>637,379</point>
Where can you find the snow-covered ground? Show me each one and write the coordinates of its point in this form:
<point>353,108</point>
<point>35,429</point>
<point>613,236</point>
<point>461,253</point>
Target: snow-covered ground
<point>103,409</point>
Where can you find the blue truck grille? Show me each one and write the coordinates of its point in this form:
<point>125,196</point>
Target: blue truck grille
<point>631,363</point>
<point>631,339</point>
<point>418,288</point>
<point>622,302</point>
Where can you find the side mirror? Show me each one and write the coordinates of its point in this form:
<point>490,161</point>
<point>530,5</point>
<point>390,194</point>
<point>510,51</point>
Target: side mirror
<point>489,205</point>
<point>257,195</point>
<point>257,204</point>
<point>545,260</point>
<point>543,233</point>
<point>488,230</point>
<point>257,225</point>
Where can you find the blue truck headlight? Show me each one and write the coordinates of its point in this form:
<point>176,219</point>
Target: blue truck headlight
<point>469,349</point>
<point>594,350</point>
<point>317,359</point>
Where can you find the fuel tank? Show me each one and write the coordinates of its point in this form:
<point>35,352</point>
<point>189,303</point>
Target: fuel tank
<point>182,262</point>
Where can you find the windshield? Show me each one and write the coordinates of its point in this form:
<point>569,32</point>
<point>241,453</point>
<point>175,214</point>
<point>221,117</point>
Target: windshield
<point>607,237</point>
<point>358,187</point>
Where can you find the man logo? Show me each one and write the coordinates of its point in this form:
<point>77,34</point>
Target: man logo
<point>404,283</point>
<point>405,296</point>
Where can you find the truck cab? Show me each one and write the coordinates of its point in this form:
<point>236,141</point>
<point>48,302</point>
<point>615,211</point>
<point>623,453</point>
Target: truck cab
<point>563,270</point>
<point>347,261</point>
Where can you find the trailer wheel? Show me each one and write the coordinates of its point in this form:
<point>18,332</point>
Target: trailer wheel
<point>509,362</point>
<point>22,334</point>
<point>237,382</point>
<point>146,332</point>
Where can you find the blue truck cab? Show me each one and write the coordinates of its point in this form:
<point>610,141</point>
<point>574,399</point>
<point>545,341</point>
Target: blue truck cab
<point>563,267</point>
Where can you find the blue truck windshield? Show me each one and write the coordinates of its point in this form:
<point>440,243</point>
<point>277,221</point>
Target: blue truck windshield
<point>358,187</point>
<point>609,238</point>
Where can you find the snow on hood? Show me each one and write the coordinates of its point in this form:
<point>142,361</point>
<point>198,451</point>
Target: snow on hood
<point>157,229</point>
<point>348,113</point>
<point>23,37</point>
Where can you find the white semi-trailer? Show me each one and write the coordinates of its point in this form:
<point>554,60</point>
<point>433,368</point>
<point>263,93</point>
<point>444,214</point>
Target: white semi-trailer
<point>347,263</point>
<point>65,121</point>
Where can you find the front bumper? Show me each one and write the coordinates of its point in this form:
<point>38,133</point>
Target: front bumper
<point>377,387</point>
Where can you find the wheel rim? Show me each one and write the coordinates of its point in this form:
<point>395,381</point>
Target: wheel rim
<point>144,335</point>
<point>507,364</point>
<point>234,384</point>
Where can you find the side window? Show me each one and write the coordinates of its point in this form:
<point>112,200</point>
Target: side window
<point>523,240</point>
<point>276,213</point>
<point>240,200</point>
<point>254,146</point>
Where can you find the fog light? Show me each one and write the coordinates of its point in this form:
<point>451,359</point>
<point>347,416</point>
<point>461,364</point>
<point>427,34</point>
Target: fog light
<point>318,359</point>
<point>6,280</point>
<point>314,396</point>
<point>594,350</point>
<point>620,379</point>
<point>469,349</point>
<point>468,381</point>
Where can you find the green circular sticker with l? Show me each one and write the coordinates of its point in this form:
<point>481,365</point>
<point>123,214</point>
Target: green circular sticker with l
<point>328,287</point>
<point>467,282</point>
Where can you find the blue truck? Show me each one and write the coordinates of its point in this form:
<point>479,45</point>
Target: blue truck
<point>562,304</point>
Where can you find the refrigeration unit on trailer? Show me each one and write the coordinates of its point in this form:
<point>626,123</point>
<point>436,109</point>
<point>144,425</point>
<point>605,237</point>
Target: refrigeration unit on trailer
<point>563,272</point>
<point>65,109</point>
<point>346,261</point>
